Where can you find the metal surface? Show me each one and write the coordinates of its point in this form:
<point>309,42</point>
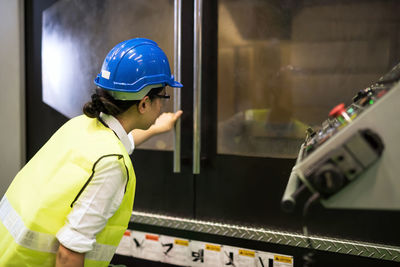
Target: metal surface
<point>348,247</point>
<point>197,85</point>
<point>288,200</point>
<point>177,91</point>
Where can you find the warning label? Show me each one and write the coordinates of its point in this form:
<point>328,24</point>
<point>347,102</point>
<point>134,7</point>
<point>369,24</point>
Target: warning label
<point>152,237</point>
<point>283,259</point>
<point>213,247</point>
<point>248,253</point>
<point>182,242</point>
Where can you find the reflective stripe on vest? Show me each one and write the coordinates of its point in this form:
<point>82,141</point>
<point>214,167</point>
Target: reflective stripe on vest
<point>41,241</point>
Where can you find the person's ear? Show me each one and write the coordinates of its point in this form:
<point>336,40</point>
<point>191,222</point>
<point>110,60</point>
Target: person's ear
<point>144,104</point>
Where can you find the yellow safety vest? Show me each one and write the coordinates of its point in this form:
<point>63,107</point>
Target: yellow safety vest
<point>40,197</point>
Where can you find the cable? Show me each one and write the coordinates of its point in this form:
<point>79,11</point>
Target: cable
<point>309,257</point>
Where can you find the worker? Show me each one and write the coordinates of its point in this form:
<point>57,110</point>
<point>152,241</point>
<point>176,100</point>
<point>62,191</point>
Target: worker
<point>71,203</point>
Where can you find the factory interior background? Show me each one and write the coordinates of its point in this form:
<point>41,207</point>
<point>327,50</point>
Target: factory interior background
<point>270,70</point>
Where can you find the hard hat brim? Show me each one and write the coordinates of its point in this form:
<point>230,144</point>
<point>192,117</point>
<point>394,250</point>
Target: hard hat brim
<point>175,84</point>
<point>123,95</point>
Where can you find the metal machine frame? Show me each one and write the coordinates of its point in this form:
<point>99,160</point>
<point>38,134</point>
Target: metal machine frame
<point>376,251</point>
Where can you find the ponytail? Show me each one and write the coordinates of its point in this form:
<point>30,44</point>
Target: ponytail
<point>104,102</point>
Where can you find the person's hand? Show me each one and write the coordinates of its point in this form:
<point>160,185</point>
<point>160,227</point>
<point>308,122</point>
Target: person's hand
<point>165,122</point>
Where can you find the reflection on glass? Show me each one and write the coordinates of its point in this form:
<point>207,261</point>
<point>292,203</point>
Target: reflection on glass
<point>77,35</point>
<point>282,65</point>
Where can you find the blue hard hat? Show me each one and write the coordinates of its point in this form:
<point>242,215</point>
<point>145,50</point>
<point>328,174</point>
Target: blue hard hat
<point>132,66</point>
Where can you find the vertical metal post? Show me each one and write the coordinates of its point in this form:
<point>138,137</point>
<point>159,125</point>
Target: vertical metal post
<point>177,91</point>
<point>198,6</point>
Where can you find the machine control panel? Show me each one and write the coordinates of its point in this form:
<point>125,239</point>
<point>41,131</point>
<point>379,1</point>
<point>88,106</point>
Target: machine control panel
<point>356,148</point>
<point>341,116</point>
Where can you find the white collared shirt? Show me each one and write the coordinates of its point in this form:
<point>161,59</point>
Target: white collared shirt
<point>100,199</point>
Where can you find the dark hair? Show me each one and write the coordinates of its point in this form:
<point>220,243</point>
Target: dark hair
<point>102,101</point>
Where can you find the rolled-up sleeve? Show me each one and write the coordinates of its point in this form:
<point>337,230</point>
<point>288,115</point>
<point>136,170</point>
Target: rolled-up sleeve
<point>97,203</point>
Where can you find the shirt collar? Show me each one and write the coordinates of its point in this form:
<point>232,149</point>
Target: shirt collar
<point>115,125</point>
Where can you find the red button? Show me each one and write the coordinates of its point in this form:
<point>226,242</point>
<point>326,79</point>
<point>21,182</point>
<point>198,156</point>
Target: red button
<point>381,93</point>
<point>338,110</point>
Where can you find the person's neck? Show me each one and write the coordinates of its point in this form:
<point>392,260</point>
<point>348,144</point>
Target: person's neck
<point>127,121</point>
